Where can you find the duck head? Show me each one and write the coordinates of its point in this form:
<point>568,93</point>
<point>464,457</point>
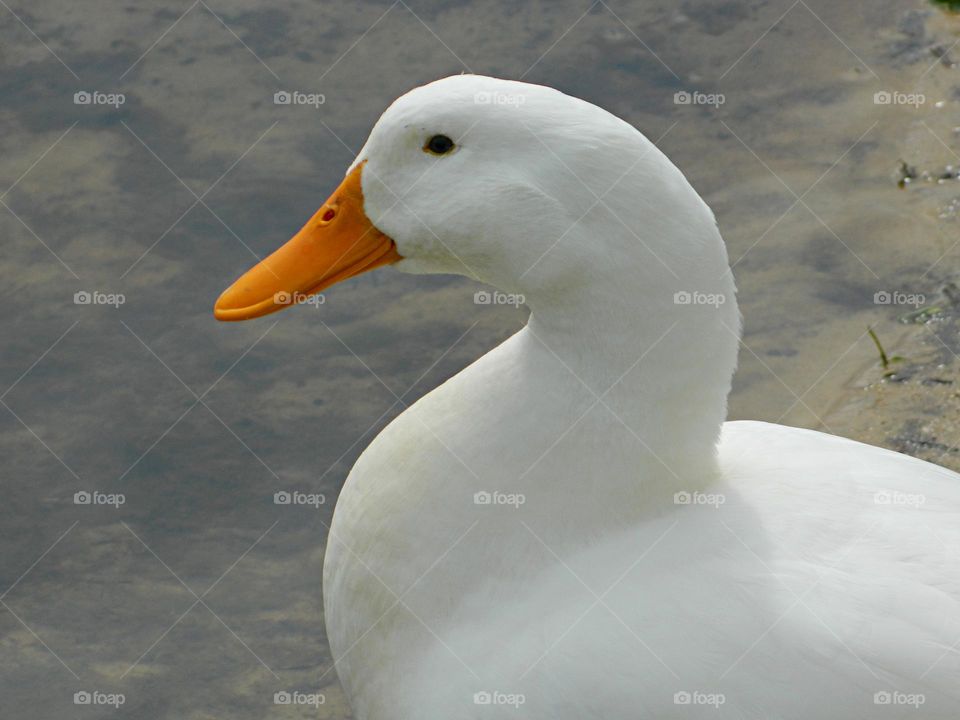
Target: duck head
<point>516,185</point>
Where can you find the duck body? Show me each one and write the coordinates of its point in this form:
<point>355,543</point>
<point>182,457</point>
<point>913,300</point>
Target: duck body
<point>568,529</point>
<point>791,586</point>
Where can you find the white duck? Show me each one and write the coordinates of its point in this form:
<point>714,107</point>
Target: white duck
<point>635,556</point>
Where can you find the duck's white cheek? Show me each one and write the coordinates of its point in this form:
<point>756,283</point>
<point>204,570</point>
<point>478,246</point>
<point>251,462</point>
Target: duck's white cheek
<point>434,264</point>
<point>416,266</point>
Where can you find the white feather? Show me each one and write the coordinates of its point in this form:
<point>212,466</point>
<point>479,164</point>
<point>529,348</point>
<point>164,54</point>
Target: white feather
<point>809,576</point>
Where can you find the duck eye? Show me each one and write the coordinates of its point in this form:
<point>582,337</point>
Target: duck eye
<point>439,145</point>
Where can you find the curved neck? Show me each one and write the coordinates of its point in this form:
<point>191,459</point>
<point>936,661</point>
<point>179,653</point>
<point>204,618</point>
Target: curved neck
<point>660,366</point>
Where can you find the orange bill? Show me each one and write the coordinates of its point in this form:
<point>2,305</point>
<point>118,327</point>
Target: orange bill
<point>338,242</point>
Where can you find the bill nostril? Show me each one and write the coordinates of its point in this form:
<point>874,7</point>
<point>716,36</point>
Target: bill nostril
<point>328,215</point>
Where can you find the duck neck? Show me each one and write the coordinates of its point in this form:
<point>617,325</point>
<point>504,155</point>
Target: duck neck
<point>659,367</point>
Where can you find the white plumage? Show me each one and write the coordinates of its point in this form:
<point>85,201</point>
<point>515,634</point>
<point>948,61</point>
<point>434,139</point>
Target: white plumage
<point>639,557</point>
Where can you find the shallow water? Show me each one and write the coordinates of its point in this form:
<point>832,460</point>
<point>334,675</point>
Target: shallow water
<point>199,597</point>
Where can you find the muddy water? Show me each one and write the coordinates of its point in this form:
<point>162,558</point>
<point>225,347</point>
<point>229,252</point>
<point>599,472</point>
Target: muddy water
<point>103,199</point>
<point>810,280</point>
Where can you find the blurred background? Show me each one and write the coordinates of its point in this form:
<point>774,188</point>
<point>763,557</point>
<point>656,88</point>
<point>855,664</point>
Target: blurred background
<point>148,157</point>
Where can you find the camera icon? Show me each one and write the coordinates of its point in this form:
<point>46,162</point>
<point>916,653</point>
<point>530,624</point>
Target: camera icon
<point>282,697</point>
<point>682,297</point>
<point>482,98</point>
<point>482,297</point>
<point>282,498</point>
<point>82,297</point>
<point>882,297</point>
<point>882,698</point>
<point>282,298</point>
<point>482,698</point>
<point>482,498</point>
<point>682,698</point>
<point>282,97</point>
<point>82,498</point>
<point>682,97</point>
<point>82,697</point>
<point>682,498</point>
<point>82,98</point>
<point>882,97</point>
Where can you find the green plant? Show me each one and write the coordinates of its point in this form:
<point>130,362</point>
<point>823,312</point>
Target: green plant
<point>885,360</point>
<point>950,5</point>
